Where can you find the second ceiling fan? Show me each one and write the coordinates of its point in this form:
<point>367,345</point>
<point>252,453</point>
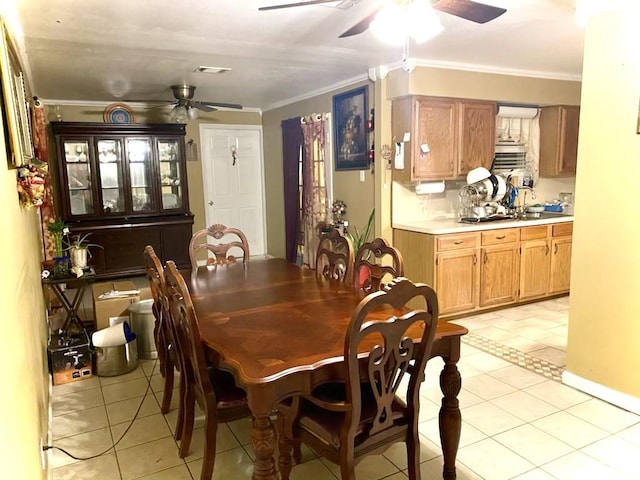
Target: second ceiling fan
<point>467,9</point>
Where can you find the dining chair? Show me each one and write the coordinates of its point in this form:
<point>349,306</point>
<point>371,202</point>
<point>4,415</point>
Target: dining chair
<point>161,330</point>
<point>334,257</point>
<point>218,253</point>
<point>214,390</point>
<point>351,420</point>
<point>374,262</point>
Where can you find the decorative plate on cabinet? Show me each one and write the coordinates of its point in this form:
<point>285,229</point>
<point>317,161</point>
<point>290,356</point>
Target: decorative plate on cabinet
<point>118,113</point>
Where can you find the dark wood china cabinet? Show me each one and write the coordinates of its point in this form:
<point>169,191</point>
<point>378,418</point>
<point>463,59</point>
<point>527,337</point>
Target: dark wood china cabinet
<point>127,185</point>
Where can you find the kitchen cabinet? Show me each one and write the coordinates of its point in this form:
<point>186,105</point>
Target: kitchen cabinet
<point>477,270</point>
<point>534,262</point>
<point>457,272</point>
<point>447,137</point>
<point>499,267</point>
<point>559,140</point>
<point>125,184</point>
<point>560,269</point>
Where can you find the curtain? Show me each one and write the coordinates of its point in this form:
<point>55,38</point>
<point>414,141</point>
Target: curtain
<point>292,141</point>
<point>41,147</point>
<point>315,202</point>
<point>526,131</point>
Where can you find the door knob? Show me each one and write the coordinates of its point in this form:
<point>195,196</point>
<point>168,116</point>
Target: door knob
<point>211,203</point>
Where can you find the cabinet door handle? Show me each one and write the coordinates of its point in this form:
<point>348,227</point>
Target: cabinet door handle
<point>546,250</point>
<point>210,203</point>
<point>501,237</point>
<point>555,249</point>
<point>485,258</point>
<point>475,259</point>
<point>458,242</point>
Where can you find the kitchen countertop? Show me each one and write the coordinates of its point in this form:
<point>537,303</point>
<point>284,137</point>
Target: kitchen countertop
<point>451,225</point>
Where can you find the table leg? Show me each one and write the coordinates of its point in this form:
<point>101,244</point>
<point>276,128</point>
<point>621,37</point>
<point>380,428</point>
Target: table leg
<point>72,307</point>
<point>263,441</point>
<point>450,418</point>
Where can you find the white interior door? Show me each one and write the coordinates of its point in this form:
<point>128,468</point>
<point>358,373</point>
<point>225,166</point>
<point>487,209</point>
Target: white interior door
<point>233,187</point>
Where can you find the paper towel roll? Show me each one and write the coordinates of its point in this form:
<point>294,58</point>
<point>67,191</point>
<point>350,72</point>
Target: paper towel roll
<point>113,336</point>
<point>517,112</point>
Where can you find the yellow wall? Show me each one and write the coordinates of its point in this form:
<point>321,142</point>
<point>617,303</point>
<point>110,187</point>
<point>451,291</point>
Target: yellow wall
<point>604,316</point>
<point>25,384</point>
<point>346,184</point>
<point>159,115</point>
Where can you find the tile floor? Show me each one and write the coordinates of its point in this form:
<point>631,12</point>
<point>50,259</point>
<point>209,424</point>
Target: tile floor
<point>519,421</point>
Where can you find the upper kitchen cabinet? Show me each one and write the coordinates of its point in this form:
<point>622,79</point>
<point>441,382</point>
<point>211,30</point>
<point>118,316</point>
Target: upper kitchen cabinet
<point>125,184</point>
<point>559,140</point>
<point>446,137</point>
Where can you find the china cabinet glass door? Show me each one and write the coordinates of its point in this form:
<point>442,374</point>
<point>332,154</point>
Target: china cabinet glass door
<point>78,166</point>
<point>170,174</point>
<point>140,168</point>
<point>110,164</point>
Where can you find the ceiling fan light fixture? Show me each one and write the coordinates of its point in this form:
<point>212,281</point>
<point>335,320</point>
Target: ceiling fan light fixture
<point>192,113</point>
<point>178,114</point>
<point>395,22</point>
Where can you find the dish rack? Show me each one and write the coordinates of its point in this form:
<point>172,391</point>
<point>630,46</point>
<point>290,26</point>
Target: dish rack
<point>468,198</point>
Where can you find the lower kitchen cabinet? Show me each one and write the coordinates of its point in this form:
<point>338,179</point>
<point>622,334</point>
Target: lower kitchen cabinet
<point>534,262</point>
<point>560,275</point>
<point>473,271</point>
<point>457,280</point>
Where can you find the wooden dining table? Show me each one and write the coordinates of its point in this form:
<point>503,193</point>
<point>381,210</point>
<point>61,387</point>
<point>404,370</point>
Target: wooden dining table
<point>280,332</point>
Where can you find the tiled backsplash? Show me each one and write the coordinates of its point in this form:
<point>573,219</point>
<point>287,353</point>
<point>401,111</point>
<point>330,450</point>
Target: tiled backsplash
<point>408,206</point>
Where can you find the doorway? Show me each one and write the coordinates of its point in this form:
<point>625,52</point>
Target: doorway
<point>232,177</point>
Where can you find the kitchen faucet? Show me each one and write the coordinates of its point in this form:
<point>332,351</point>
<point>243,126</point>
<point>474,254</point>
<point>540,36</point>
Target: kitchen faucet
<point>522,210</point>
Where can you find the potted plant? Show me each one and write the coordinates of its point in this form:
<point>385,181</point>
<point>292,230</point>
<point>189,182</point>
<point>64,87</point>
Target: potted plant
<point>359,238</point>
<point>78,248</point>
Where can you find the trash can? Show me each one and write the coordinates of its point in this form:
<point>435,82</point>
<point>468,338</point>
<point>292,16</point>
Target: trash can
<point>116,351</point>
<point>118,360</point>
<point>142,324</point>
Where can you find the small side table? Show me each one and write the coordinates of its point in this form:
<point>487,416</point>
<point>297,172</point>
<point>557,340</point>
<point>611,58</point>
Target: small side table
<point>71,306</point>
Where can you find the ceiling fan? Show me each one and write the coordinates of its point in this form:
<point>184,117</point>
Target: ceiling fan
<point>467,9</point>
<point>185,107</point>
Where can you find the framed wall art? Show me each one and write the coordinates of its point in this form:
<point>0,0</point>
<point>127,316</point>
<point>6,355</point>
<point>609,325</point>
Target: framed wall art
<point>350,111</point>
<point>14,103</point>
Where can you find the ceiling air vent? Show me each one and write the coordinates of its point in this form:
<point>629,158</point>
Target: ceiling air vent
<point>211,70</point>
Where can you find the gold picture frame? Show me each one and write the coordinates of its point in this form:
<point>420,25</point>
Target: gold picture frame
<point>15,105</point>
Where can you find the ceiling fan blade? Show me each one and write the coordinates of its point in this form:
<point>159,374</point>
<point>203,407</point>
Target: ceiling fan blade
<point>469,10</point>
<point>361,26</point>
<point>219,104</point>
<point>296,4</point>
<point>203,106</point>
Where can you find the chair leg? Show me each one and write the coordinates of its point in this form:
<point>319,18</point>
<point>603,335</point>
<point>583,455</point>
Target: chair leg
<point>413,456</point>
<point>188,419</point>
<point>180,421</point>
<point>168,385</point>
<point>161,347</point>
<point>210,431</point>
<point>284,446</point>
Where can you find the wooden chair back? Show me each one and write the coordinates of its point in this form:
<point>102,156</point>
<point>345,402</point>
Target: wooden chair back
<point>218,253</point>
<point>374,408</point>
<point>334,258</point>
<point>376,263</point>
<point>214,390</point>
<point>162,331</point>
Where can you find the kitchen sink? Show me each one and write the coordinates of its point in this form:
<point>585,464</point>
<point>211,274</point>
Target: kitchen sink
<point>542,215</point>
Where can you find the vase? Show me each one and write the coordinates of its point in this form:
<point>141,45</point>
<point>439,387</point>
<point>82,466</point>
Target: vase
<point>78,257</point>
<point>61,266</point>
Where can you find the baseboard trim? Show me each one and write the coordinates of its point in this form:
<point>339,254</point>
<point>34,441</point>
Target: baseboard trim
<point>622,400</point>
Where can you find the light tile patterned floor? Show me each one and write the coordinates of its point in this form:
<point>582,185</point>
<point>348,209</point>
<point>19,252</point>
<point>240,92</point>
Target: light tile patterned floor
<point>519,421</point>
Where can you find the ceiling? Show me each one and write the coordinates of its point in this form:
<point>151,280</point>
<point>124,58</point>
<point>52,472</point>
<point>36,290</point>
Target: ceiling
<point>96,50</point>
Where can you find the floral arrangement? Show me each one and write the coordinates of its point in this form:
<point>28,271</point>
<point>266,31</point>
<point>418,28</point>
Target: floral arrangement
<point>31,183</point>
<point>339,210</point>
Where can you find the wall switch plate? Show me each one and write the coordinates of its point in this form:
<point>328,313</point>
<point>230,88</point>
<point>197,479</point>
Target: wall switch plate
<point>362,175</point>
